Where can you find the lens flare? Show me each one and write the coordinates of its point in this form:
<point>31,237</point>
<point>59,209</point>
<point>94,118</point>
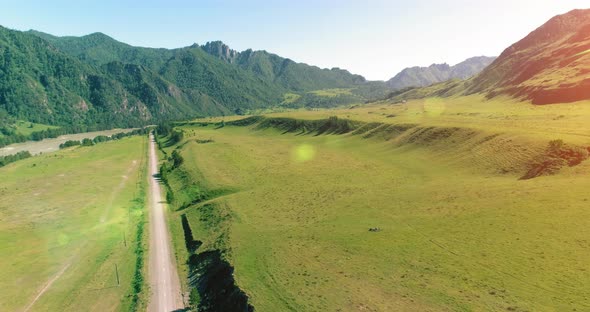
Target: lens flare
<point>434,107</point>
<point>62,239</point>
<point>303,153</point>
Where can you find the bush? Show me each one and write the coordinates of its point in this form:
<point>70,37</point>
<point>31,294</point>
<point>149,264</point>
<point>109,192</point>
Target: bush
<point>164,129</point>
<point>87,142</point>
<point>5,160</point>
<point>176,137</point>
<point>101,138</point>
<point>70,143</point>
<point>177,160</point>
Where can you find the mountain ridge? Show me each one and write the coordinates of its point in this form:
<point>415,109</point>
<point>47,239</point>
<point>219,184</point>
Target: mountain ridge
<point>284,71</point>
<point>417,76</point>
<point>98,81</point>
<point>84,47</point>
<point>277,74</point>
<point>547,66</point>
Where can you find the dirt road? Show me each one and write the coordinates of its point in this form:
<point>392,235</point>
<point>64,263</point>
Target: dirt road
<point>164,281</point>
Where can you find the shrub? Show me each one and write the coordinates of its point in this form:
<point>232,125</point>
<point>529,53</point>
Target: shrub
<point>69,143</point>
<point>5,160</point>
<point>87,142</point>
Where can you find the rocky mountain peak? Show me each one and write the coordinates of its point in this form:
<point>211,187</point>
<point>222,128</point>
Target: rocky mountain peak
<point>220,50</point>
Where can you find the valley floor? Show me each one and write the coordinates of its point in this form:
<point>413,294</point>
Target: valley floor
<point>69,225</point>
<point>454,229</point>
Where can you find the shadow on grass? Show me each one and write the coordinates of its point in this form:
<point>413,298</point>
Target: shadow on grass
<point>211,278</point>
<point>332,125</point>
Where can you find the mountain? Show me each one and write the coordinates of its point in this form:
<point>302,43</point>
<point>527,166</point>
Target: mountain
<point>221,51</point>
<point>288,74</point>
<point>550,65</point>
<point>197,74</point>
<point>163,98</point>
<point>275,72</point>
<point>41,84</point>
<point>98,82</point>
<point>435,73</point>
<point>98,49</point>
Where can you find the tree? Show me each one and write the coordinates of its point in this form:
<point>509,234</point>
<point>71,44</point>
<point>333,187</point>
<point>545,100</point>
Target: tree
<point>87,142</point>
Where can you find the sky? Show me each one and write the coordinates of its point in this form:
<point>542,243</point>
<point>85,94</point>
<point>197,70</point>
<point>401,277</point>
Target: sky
<point>373,38</point>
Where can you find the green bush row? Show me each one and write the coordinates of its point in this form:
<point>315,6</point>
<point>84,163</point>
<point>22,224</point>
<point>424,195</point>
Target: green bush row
<point>5,160</point>
<point>102,138</point>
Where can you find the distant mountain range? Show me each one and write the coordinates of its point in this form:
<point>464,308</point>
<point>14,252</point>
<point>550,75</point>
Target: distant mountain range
<point>96,80</point>
<point>435,73</point>
<point>551,65</point>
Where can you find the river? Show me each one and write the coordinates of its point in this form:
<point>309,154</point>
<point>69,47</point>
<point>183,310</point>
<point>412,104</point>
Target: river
<point>52,145</point>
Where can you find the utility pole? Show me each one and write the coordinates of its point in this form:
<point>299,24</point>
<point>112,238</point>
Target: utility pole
<point>117,273</point>
<point>124,239</point>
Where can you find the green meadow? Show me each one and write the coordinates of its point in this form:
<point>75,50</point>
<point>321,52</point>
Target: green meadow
<point>331,92</point>
<point>64,228</point>
<point>26,128</point>
<point>420,207</point>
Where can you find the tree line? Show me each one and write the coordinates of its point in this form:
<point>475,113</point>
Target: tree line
<point>10,136</point>
<point>5,160</point>
<point>102,138</point>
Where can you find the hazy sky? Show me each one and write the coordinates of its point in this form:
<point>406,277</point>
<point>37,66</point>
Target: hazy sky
<point>374,38</point>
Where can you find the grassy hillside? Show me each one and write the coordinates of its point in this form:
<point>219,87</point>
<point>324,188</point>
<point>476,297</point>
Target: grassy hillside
<point>455,229</point>
<point>547,66</point>
<point>63,228</point>
<point>324,98</point>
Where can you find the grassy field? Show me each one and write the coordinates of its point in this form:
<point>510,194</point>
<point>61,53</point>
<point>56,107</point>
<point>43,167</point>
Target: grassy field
<point>26,128</point>
<point>331,92</point>
<point>63,228</point>
<point>439,178</point>
<point>290,98</point>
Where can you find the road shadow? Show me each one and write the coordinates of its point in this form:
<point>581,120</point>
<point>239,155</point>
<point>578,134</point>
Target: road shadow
<point>212,277</point>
